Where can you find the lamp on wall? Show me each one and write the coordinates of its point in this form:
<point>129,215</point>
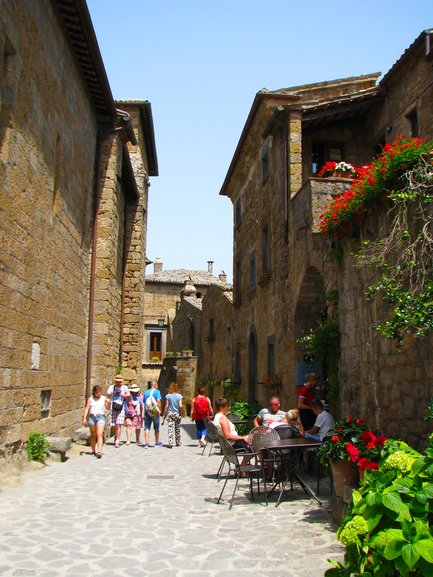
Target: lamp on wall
<point>160,322</point>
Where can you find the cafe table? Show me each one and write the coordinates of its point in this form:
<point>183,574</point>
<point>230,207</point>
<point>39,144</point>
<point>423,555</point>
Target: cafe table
<point>287,451</point>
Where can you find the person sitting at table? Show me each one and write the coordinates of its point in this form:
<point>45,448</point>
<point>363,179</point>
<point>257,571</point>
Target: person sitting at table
<point>272,416</point>
<point>306,395</point>
<point>295,423</point>
<point>227,428</point>
<point>323,424</point>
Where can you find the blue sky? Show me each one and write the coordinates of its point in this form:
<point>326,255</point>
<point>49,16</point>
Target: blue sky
<point>200,64</point>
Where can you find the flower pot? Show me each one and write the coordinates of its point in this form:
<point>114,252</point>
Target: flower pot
<point>344,473</point>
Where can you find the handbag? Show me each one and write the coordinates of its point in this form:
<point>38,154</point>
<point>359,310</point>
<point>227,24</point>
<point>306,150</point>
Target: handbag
<point>117,405</point>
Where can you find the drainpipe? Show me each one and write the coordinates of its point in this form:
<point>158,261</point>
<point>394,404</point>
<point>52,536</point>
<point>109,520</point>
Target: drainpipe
<point>286,183</point>
<point>97,188</point>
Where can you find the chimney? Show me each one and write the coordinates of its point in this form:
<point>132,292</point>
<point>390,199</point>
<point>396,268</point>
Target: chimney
<point>222,276</point>
<point>210,266</point>
<point>157,265</point>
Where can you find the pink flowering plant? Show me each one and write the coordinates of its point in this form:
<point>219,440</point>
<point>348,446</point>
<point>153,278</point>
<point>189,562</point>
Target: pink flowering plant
<point>374,184</point>
<point>350,440</point>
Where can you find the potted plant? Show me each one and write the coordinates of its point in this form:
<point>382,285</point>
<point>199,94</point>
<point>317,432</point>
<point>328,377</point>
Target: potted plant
<point>350,449</point>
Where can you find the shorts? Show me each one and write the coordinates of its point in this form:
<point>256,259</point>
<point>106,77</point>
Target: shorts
<point>96,420</point>
<point>149,420</point>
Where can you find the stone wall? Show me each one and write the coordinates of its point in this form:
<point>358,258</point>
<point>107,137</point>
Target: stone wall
<point>187,326</point>
<point>46,212</point>
<point>217,359</point>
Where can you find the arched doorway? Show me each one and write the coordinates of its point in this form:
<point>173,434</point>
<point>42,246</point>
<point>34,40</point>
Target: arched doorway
<point>252,365</point>
<point>311,309</point>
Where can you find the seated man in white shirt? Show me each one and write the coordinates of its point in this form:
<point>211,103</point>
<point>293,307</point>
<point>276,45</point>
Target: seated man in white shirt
<point>323,424</point>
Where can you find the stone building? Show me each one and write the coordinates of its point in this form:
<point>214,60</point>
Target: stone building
<point>162,298</point>
<point>285,279</point>
<point>73,182</point>
<point>217,358</point>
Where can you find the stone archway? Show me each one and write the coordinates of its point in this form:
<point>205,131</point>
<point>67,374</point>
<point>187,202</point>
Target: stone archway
<point>252,366</point>
<point>310,309</point>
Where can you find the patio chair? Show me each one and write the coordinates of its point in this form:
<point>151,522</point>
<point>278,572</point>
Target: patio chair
<point>234,461</point>
<point>211,436</point>
<point>256,439</point>
<point>285,431</point>
<point>233,417</point>
<point>258,434</point>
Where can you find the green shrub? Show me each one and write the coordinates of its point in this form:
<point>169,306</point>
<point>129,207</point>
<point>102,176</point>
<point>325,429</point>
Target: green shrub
<point>389,529</point>
<point>37,447</point>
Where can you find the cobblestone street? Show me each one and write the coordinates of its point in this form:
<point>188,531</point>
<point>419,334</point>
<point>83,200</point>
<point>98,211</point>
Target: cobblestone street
<point>153,512</point>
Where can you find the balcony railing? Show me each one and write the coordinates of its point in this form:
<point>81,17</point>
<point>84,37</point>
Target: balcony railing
<point>308,202</point>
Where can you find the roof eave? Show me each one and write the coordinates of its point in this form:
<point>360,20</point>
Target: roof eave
<point>259,98</point>
<point>78,25</point>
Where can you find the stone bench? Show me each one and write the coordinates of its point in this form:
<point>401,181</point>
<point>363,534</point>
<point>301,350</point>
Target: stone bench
<point>59,447</point>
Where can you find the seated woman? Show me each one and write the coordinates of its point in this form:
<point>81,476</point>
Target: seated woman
<point>226,428</point>
<point>295,423</point>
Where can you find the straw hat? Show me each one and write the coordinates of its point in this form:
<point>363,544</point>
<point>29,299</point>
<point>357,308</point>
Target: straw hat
<point>134,388</point>
<point>118,378</point>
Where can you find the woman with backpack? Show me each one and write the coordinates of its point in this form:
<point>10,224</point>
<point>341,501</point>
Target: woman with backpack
<point>117,394</point>
<point>173,406</point>
<point>201,410</point>
<point>133,413</point>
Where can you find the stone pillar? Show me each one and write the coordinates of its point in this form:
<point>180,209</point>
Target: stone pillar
<point>135,266</point>
<point>294,146</point>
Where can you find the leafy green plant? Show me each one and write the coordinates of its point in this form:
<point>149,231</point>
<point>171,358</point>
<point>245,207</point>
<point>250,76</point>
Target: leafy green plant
<point>389,529</point>
<point>37,447</point>
<point>118,369</point>
<point>231,389</point>
<point>244,409</point>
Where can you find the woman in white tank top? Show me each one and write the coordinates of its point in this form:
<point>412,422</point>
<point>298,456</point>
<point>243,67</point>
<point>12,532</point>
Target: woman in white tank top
<point>94,418</point>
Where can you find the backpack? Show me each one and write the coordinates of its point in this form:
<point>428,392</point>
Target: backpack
<point>151,405</point>
<point>201,408</point>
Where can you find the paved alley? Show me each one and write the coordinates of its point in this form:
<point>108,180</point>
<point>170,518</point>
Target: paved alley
<point>140,512</point>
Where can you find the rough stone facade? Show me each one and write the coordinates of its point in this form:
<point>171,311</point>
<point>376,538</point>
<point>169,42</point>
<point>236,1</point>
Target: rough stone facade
<point>217,336</point>
<point>285,278</point>
<point>61,166</point>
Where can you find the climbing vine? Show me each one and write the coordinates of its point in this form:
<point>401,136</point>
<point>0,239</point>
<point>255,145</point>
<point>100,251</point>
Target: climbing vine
<point>403,255</point>
<point>401,178</point>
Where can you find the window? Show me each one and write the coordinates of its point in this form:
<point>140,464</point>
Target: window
<point>155,350</point>
<point>45,404</point>
<point>238,284</point>
<point>252,275</point>
<point>271,357</point>
<point>266,256</point>
<point>211,335</point>
<point>237,372</point>
<point>264,161</point>
<point>326,151</point>
<point>238,212</point>
<point>413,122</point>
<point>228,338</point>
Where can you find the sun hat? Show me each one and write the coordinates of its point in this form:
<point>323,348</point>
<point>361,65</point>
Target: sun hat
<point>134,388</point>
<point>118,378</point>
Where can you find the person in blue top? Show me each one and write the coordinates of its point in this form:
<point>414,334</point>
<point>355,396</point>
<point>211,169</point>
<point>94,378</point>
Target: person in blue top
<point>173,407</point>
<point>152,411</point>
